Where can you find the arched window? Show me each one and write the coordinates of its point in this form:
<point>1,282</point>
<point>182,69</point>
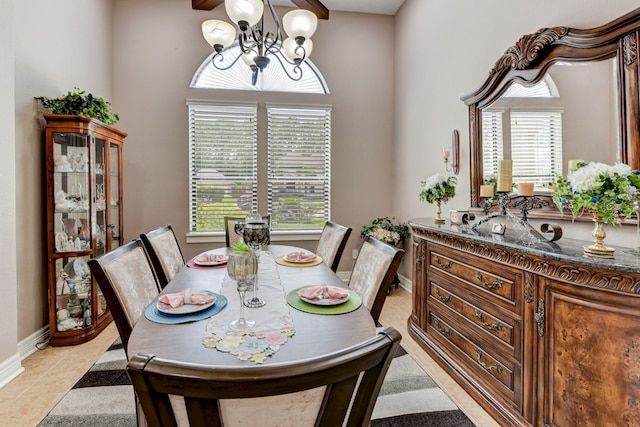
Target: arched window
<point>272,79</point>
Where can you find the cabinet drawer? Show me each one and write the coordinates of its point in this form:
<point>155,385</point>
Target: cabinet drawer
<point>502,330</point>
<point>494,282</point>
<point>483,368</point>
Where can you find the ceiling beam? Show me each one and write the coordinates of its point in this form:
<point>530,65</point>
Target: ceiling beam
<point>314,6</point>
<point>205,4</point>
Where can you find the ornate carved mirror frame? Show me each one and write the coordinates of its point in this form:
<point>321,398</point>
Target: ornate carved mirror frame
<point>527,63</point>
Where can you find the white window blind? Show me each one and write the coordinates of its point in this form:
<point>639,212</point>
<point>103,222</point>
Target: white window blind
<point>298,179</point>
<point>492,150</point>
<point>222,163</point>
<point>536,146</point>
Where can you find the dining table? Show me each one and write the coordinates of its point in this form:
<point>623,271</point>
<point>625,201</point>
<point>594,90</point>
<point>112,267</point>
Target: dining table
<point>288,329</point>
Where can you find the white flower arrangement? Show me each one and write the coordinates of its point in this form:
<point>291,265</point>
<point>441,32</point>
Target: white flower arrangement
<point>437,188</point>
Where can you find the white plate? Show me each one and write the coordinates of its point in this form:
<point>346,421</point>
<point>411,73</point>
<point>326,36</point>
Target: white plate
<point>325,301</point>
<point>305,261</point>
<point>209,263</point>
<point>185,308</point>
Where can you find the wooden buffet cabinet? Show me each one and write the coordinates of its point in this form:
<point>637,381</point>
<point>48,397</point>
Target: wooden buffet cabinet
<point>537,333</point>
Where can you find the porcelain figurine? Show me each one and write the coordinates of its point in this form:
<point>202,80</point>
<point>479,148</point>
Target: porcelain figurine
<point>62,286</point>
<point>62,203</point>
<point>61,164</point>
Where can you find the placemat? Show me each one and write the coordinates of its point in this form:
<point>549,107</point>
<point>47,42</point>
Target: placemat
<point>152,313</point>
<point>191,263</point>
<point>353,303</point>
<point>280,260</point>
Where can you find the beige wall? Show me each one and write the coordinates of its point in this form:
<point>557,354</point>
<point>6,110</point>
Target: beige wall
<point>55,51</point>
<point>395,103</point>
<point>8,288</point>
<point>445,50</point>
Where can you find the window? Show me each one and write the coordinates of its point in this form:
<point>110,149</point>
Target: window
<point>536,146</point>
<point>224,164</point>
<point>223,178</point>
<point>272,79</point>
<point>492,151</point>
<point>298,179</point>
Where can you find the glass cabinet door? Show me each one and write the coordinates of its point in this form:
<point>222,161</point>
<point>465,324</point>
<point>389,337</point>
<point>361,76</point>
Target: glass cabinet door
<point>115,229</point>
<point>72,217</point>
<point>99,196</point>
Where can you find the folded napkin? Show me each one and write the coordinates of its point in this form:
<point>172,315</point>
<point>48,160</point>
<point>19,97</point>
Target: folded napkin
<point>320,292</point>
<point>186,297</point>
<point>300,256</point>
<point>211,258</point>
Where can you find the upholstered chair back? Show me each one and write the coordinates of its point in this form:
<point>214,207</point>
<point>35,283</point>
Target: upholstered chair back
<point>374,272</point>
<point>164,253</point>
<point>332,243</point>
<point>128,284</point>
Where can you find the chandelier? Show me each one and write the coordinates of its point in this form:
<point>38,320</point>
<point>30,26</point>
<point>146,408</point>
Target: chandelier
<point>258,47</point>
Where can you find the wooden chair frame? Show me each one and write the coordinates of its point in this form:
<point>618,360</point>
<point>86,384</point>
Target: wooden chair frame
<point>203,387</point>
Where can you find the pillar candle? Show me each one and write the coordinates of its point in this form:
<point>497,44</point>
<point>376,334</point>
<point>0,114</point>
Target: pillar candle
<point>486,190</point>
<point>504,175</point>
<point>525,189</point>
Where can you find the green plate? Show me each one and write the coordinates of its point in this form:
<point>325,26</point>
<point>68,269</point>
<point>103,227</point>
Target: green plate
<point>350,305</point>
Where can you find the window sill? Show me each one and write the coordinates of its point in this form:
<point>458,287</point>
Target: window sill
<point>276,236</point>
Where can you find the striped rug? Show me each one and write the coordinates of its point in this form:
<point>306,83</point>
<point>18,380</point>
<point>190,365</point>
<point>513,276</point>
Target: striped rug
<point>104,397</point>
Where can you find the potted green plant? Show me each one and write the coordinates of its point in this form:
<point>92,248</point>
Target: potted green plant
<point>385,230</point>
<point>81,104</point>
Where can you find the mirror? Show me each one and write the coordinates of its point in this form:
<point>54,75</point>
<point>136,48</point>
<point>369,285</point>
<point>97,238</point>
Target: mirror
<point>586,80</point>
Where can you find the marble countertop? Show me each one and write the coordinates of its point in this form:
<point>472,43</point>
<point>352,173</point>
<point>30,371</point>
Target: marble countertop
<point>530,241</point>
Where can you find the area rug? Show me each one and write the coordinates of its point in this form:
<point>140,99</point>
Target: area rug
<point>104,397</point>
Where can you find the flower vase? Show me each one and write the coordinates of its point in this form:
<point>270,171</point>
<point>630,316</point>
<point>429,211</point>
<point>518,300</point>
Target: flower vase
<point>438,219</point>
<point>598,249</point>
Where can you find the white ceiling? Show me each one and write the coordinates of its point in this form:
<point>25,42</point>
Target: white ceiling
<point>384,7</point>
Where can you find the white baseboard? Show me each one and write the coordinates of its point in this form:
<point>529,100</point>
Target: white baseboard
<point>12,367</point>
<point>28,346</point>
<point>9,369</point>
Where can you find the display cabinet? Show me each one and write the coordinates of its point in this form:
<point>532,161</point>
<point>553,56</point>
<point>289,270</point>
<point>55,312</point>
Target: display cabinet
<point>84,220</point>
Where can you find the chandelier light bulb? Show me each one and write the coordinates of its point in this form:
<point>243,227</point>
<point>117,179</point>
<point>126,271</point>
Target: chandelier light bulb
<point>244,11</point>
<point>300,23</point>
<point>294,52</point>
<point>249,58</point>
<point>218,34</point>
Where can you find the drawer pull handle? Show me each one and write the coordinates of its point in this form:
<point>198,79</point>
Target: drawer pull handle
<point>443,299</point>
<point>443,265</point>
<point>496,283</point>
<point>488,368</point>
<point>539,318</point>
<point>440,329</point>
<point>495,327</point>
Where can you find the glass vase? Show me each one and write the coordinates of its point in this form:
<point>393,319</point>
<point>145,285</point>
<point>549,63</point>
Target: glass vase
<point>242,267</point>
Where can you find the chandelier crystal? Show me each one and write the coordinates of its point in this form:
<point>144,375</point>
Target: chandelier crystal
<point>258,47</point>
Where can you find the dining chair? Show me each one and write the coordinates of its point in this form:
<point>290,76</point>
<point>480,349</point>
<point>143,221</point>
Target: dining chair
<point>164,253</point>
<point>128,284</point>
<point>374,272</point>
<point>231,238</point>
<point>332,243</point>
<point>325,391</point>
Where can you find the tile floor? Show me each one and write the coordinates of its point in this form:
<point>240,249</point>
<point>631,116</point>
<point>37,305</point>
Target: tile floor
<point>51,372</point>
